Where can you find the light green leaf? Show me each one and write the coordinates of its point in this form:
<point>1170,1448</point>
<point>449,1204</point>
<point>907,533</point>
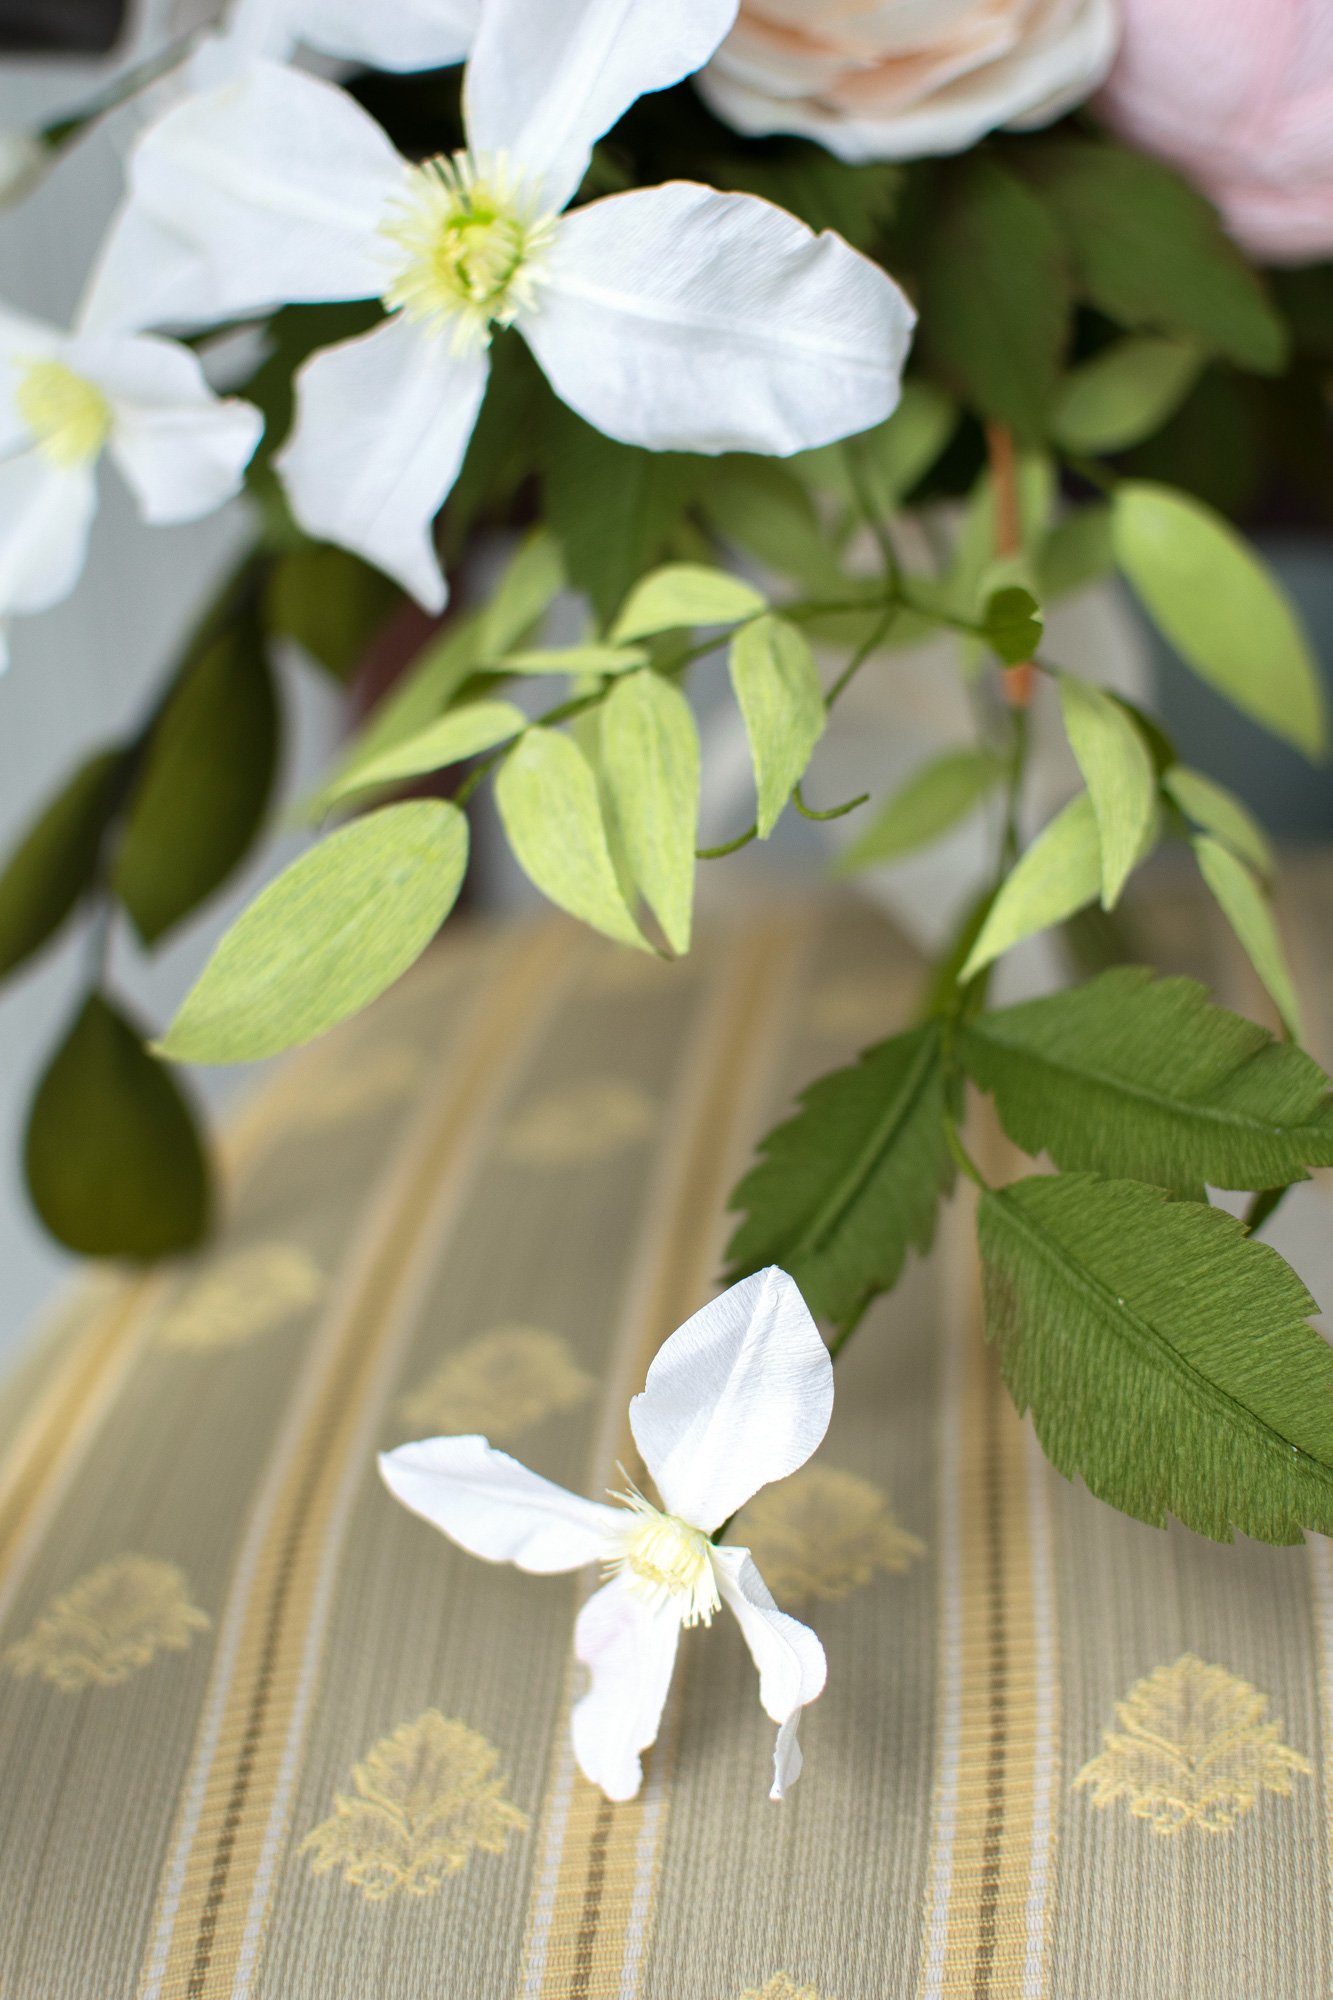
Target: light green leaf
<point>1076,552</point>
<point>1221,609</point>
<point>571,660</point>
<point>1013,624</point>
<point>463,732</point>
<point>525,593</point>
<point>887,462</point>
<point>777,686</point>
<point>1120,777</point>
<point>57,858</point>
<point>547,797</point>
<point>1242,901</point>
<point>327,937</point>
<point>1219,812</point>
<point>1059,873</point>
<point>685,594</point>
<point>1166,1357</point>
<point>650,755</point>
<point>933,799</point>
<point>1123,394</point>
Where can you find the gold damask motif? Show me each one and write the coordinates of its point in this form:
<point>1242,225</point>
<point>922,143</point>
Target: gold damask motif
<point>108,1624</point>
<point>501,1383</point>
<point>249,1293</point>
<point>1196,1750</point>
<point>378,1076</point>
<point>580,1122</point>
<point>425,1798</point>
<point>783,1987</point>
<point>824,1533</point>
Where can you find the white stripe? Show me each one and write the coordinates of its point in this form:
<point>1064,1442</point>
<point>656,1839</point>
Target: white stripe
<point>1045,1754</point>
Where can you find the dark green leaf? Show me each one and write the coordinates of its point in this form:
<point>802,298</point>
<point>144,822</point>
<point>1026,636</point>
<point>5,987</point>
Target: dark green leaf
<point>612,508</point>
<point>1013,624</point>
<point>331,603</point>
<point>857,200</point>
<point>56,860</point>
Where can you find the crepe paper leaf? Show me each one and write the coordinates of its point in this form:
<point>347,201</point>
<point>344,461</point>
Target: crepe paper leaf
<point>975,572</point>
<point>1013,624</point>
<point>532,581</point>
<point>1119,773</point>
<point>608,547</point>
<point>846,1187</point>
<point>115,1164</point>
<point>1058,874</point>
<point>1242,901</point>
<point>464,732</point>
<point>760,506</point>
<point>331,603</point>
<point>650,757</point>
<point>1221,608</point>
<point>1218,811</point>
<point>858,200</point>
<point>685,594</point>
<point>547,797</point>
<point>1077,551</point>
<point>56,861</point>
<point>1124,394</point>
<point>934,799</point>
<point>884,464</point>
<point>1166,1357</point>
<point>573,660</point>
<point>327,937</point>
<point>776,684</point>
<point>1145,1079</point>
<point>200,799</point>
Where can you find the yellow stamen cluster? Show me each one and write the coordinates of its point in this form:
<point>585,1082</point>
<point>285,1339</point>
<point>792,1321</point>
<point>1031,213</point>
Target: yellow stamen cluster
<point>68,415</point>
<point>665,1560</point>
<point>472,239</point>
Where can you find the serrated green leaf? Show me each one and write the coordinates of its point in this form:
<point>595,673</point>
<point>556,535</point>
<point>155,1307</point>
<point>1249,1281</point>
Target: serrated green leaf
<point>56,860</point>
<point>327,937</point>
<point>1123,394</point>
<point>933,800</point>
<point>533,579</point>
<point>776,684</point>
<point>1217,811</point>
<point>1058,874</point>
<point>463,732</point>
<point>1241,898</point>
<point>547,798</point>
<point>331,603</point>
<point>650,755</point>
<point>1166,1358</point>
<point>1119,774</point>
<point>844,1189</point>
<point>1221,608</point>
<point>1145,1079</point>
<point>114,1160</point>
<point>574,660</point>
<point>685,594</point>
<point>1076,552</point>
<point>1013,623</point>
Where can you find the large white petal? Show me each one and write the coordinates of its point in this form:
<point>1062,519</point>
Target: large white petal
<point>548,77</point>
<point>181,449</point>
<point>494,1507</point>
<point>687,320</point>
<point>738,1396</point>
<point>790,1659</point>
<point>397,35</point>
<point>630,1647</point>
<point>382,423</point>
<point>46,511</point>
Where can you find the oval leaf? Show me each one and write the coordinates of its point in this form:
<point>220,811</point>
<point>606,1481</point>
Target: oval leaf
<point>934,799</point>
<point>650,756</point>
<point>1123,394</point>
<point>547,798</point>
<point>682,594</point>
<point>56,860</point>
<point>777,686</point>
<point>1217,811</point>
<point>331,603</point>
<point>1060,872</point>
<point>574,660</point>
<point>525,593</point>
<point>1242,901</point>
<point>464,732</point>
<point>1013,624</point>
<point>1120,776</point>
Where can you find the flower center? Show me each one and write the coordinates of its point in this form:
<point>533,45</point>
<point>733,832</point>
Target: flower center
<point>473,239</point>
<point>68,415</point>
<point>665,1559</point>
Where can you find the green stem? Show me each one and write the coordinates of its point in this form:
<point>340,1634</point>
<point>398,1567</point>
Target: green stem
<point>962,1159</point>
<point>862,654</point>
<point>833,812</point>
<point>728,846</point>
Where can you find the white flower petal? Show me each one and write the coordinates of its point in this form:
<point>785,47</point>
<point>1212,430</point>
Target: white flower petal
<point>22,341</point>
<point>737,1397</point>
<point>630,1647</point>
<point>46,511</point>
<point>548,77</point>
<point>382,423</point>
<point>406,35</point>
<point>687,320</point>
<point>790,1659</point>
<point>494,1507</point>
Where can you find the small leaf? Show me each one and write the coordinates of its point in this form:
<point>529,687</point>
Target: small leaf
<point>1120,776</point>
<point>327,937</point>
<point>650,755</point>
<point>1221,609</point>
<point>547,798</point>
<point>685,594</point>
<point>115,1164</point>
<point>933,800</point>
<point>573,660</point>
<point>1059,873</point>
<point>56,860</point>
<point>1219,812</point>
<point>1013,624</point>
<point>331,603</point>
<point>776,683</point>
<point>1076,552</point>
<point>463,732</point>
<point>533,580</point>
<point>1123,394</point>
<point>1242,901</point>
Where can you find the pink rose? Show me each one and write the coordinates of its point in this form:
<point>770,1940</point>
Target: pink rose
<point>1238,94</point>
<point>895,79</point>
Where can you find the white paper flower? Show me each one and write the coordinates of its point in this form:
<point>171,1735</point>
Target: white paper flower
<point>673,317</point>
<point>383,34</point>
<point>737,1397</point>
<point>65,398</point>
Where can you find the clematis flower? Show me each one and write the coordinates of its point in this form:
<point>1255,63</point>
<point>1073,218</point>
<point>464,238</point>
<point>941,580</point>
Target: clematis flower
<point>737,1397</point>
<point>673,317</point>
<point>390,35</point>
<point>67,398</point>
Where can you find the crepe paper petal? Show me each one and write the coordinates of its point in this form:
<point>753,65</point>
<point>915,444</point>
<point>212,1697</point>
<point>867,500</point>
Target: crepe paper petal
<point>682,319</point>
<point>737,1397</point>
<point>46,511</point>
<point>495,1508</point>
<point>790,1659</point>
<point>406,35</point>
<point>629,1645</point>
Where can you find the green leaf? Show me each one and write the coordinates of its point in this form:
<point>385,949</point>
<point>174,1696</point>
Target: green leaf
<point>933,800</point>
<point>777,686</point>
<point>327,937</point>
<point>1013,624</point>
<point>685,594</point>
<point>463,732</point>
<point>855,199</point>
<point>331,603</point>
<point>613,508</point>
<point>845,1188</point>
<point>1241,898</point>
<point>532,581</point>
<point>888,461</point>
<point>571,660</point>
<point>1076,552</point>
<point>1059,873</point>
<point>547,797</point>
<point>114,1160</point>
<point>1219,812</point>
<point>201,797</point>
<point>760,506</point>
<point>1123,394</point>
<point>1221,608</point>
<point>1166,1358</point>
<point>1120,776</point>
<point>1145,1079</point>
<point>650,755</point>
<point>57,858</point>
<point>974,572</point>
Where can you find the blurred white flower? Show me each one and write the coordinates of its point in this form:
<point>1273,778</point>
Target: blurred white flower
<point>736,1398</point>
<point>384,34</point>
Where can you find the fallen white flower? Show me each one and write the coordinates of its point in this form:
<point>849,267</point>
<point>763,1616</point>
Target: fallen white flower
<point>738,1397</point>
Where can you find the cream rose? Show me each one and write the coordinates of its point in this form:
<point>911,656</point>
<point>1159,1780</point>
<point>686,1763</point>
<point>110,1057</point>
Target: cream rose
<point>895,79</point>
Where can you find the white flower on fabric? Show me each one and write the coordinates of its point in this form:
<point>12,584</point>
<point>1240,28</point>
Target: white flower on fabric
<point>674,317</point>
<point>65,398</point>
<point>738,1397</point>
